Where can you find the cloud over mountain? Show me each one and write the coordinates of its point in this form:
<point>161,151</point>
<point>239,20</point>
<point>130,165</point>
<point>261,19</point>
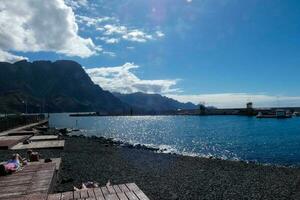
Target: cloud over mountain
<point>122,79</point>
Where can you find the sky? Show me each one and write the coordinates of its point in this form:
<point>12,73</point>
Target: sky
<point>218,52</point>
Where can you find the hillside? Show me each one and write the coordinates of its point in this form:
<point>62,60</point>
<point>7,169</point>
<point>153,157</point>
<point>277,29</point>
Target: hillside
<point>153,103</point>
<point>60,86</point>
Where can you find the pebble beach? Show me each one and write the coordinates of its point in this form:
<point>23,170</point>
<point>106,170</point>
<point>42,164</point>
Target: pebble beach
<point>168,176</point>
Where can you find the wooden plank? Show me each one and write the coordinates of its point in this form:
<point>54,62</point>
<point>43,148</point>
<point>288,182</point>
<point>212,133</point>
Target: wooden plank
<point>31,197</point>
<point>76,194</point>
<point>20,181</point>
<point>111,197</point>
<point>113,192</point>
<point>23,132</point>
<point>123,187</point>
<point>23,127</point>
<point>7,142</point>
<point>110,189</point>
<point>91,193</point>
<point>57,162</point>
<point>17,198</point>
<point>117,189</point>
<point>34,178</point>
<point>131,196</point>
<point>52,144</point>
<point>141,195</point>
<point>4,195</point>
<point>83,194</point>
<point>42,179</point>
<point>55,196</point>
<point>43,137</point>
<point>122,196</point>
<point>104,191</point>
<point>67,195</point>
<point>90,198</point>
<point>132,186</point>
<point>98,194</point>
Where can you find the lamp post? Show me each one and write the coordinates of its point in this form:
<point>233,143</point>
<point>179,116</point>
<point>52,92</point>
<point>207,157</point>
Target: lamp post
<point>25,103</point>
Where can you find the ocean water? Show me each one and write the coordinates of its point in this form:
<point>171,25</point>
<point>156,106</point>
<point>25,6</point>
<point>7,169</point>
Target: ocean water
<point>267,141</point>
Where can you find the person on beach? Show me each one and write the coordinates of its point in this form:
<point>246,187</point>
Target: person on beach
<point>12,165</point>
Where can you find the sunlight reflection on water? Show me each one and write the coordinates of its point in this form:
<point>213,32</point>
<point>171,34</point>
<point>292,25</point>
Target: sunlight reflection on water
<point>227,137</point>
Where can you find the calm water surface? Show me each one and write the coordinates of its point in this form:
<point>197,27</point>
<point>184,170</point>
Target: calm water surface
<point>228,137</point>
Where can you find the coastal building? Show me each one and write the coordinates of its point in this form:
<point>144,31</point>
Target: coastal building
<point>249,105</point>
<point>249,109</point>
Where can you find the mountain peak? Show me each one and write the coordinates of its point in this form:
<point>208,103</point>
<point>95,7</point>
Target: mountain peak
<point>63,85</point>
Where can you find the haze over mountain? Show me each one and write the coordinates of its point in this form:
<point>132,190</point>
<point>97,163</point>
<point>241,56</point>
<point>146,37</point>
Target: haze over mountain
<point>153,102</point>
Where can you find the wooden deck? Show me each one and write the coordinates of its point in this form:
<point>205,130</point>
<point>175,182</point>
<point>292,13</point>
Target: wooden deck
<point>23,132</point>
<point>43,137</point>
<point>19,129</point>
<point>50,144</point>
<point>129,191</point>
<point>7,142</point>
<point>34,181</point>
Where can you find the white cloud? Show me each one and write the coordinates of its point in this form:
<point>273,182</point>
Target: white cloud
<point>90,21</point>
<point>75,4</point>
<point>110,29</point>
<point>112,54</point>
<point>137,36</point>
<point>160,34</point>
<point>112,40</point>
<point>238,100</point>
<point>122,32</point>
<point>122,79</point>
<point>113,32</point>
<point>8,57</point>
<point>108,40</point>
<point>31,26</point>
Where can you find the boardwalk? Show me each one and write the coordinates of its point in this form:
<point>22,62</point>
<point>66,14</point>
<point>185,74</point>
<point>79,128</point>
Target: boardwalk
<point>43,137</point>
<point>7,142</point>
<point>34,181</point>
<point>19,129</point>
<point>48,144</point>
<point>129,191</point>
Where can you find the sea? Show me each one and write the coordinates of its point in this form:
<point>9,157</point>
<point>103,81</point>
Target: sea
<point>266,141</point>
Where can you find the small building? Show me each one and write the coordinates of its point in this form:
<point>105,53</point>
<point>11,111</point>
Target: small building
<point>249,105</point>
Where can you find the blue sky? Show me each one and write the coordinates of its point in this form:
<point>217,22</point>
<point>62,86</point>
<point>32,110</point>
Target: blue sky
<point>222,52</point>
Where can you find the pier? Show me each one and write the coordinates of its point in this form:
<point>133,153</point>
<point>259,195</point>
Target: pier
<point>128,191</point>
<point>12,121</point>
<point>34,181</point>
<point>15,137</point>
<point>51,144</point>
<point>23,128</point>
<point>7,142</point>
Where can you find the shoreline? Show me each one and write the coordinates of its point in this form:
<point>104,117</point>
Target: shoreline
<point>168,175</point>
<point>164,150</point>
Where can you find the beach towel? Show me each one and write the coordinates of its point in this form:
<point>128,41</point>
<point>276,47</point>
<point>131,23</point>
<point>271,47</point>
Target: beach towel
<point>9,167</point>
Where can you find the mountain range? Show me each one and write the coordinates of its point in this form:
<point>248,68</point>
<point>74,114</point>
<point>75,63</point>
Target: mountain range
<point>64,86</point>
<point>153,103</point>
